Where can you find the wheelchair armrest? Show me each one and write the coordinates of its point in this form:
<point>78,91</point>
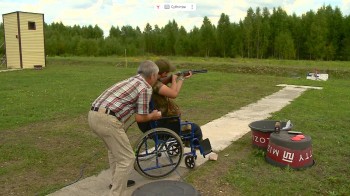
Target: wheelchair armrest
<point>169,117</point>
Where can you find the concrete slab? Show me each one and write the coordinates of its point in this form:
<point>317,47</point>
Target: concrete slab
<point>7,70</point>
<point>221,132</point>
<point>297,86</point>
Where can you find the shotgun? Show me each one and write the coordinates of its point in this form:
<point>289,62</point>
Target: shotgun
<point>194,71</point>
<point>167,80</point>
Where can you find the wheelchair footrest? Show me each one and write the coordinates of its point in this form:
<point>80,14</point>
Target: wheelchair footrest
<point>205,146</point>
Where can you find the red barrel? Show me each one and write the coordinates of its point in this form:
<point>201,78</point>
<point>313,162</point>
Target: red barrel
<point>261,131</point>
<point>286,150</point>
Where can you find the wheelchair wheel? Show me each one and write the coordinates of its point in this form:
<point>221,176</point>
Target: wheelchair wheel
<point>158,153</point>
<point>174,149</point>
<point>190,161</point>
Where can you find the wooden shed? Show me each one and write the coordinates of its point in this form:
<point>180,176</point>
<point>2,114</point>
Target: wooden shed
<point>24,40</point>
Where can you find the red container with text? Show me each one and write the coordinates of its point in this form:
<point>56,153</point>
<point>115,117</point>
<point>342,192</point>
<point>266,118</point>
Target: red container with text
<point>262,129</point>
<point>289,149</point>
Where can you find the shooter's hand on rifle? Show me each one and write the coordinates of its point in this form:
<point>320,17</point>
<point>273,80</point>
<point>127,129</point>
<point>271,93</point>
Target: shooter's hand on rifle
<point>181,76</point>
<point>186,74</point>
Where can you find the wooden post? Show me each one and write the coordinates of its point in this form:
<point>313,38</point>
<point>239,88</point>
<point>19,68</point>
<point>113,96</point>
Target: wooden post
<point>126,61</point>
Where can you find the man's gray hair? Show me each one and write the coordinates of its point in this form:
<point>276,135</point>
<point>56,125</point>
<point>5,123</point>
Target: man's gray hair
<point>147,69</point>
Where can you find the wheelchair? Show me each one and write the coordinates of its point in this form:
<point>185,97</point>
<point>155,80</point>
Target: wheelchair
<point>159,151</point>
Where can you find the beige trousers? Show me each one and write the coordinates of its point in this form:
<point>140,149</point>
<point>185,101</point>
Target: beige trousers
<point>120,154</point>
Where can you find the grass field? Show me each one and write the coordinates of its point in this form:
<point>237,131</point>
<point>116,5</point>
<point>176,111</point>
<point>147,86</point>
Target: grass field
<point>45,141</point>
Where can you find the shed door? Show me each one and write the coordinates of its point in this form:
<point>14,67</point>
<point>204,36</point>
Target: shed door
<point>12,40</point>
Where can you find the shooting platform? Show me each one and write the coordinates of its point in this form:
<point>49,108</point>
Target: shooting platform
<point>317,76</point>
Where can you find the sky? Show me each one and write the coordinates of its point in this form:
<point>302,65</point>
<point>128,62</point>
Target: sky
<point>186,13</point>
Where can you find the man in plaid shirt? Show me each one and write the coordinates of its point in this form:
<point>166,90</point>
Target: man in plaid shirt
<point>114,111</point>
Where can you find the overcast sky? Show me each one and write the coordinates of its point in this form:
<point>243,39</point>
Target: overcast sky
<point>107,13</point>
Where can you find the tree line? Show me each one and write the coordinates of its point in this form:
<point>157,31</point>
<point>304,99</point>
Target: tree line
<point>320,35</point>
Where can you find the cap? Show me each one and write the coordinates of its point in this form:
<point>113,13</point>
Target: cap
<point>164,66</point>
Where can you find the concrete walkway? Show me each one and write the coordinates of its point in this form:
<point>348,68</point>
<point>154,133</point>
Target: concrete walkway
<point>221,132</point>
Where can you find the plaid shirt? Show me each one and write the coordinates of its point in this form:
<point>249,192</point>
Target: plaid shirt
<point>126,98</point>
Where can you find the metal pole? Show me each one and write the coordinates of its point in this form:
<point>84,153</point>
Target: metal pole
<point>126,61</point>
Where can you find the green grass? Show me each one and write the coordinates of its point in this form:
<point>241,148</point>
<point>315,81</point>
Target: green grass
<point>55,92</point>
<point>286,68</point>
<point>45,139</point>
<point>322,114</point>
